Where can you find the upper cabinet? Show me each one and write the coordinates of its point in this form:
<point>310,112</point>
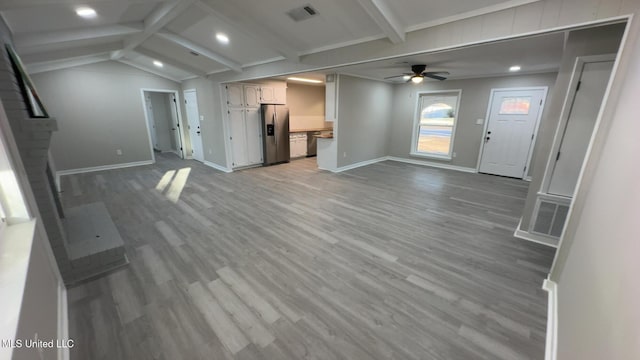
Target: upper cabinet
<point>273,94</point>
<point>235,95</point>
<point>252,95</point>
<point>331,97</point>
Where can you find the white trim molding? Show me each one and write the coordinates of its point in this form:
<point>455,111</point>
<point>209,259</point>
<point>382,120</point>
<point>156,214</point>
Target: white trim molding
<point>218,167</point>
<point>63,321</point>
<point>433,164</point>
<point>359,164</point>
<point>60,173</point>
<point>544,240</point>
<point>551,346</point>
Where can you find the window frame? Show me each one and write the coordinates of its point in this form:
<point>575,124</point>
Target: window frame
<point>413,151</point>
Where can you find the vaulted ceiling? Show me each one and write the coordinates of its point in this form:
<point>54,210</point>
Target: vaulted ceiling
<point>181,34</point>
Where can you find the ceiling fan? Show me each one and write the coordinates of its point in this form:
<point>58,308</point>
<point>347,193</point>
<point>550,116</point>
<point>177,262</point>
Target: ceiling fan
<point>419,74</point>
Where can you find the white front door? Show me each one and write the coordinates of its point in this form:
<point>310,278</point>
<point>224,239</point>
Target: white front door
<point>510,131</point>
<point>579,129</point>
<point>193,119</point>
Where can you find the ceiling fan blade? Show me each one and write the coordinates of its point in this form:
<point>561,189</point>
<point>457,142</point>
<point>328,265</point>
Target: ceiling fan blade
<point>434,76</point>
<point>397,76</point>
<point>437,72</point>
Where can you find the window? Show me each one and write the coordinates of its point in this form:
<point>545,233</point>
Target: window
<point>515,105</point>
<point>435,124</point>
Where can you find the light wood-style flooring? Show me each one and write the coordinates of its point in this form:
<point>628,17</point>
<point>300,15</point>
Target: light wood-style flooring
<point>388,261</point>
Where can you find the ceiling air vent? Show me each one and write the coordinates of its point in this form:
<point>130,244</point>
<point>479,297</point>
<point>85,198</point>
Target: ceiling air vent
<point>302,13</point>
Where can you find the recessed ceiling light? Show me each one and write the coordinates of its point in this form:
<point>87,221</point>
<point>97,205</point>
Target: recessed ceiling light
<point>86,12</point>
<point>514,68</point>
<point>417,79</point>
<point>314,81</point>
<point>222,38</point>
<point>157,63</point>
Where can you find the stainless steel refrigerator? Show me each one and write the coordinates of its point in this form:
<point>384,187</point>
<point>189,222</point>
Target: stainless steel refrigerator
<point>275,130</point>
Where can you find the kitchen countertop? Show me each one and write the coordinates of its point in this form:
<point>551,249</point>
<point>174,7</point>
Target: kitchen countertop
<point>308,130</point>
<point>327,136</point>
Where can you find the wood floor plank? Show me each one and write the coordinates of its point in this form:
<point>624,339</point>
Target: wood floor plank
<point>220,322</point>
<point>248,295</point>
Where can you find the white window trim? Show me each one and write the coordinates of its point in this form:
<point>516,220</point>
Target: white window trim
<point>416,119</point>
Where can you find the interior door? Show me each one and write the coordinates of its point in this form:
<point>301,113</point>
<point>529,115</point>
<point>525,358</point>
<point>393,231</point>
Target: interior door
<point>579,129</point>
<point>238,137</point>
<point>254,136</point>
<point>193,118</point>
<point>512,120</point>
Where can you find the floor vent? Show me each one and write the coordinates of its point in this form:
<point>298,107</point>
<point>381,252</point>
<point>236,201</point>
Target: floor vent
<point>550,218</point>
<point>302,13</point>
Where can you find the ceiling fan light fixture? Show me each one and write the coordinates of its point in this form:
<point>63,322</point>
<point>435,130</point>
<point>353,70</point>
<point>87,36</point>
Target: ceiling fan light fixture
<point>406,77</point>
<point>417,79</point>
<point>515,68</point>
<point>86,12</point>
<point>158,63</point>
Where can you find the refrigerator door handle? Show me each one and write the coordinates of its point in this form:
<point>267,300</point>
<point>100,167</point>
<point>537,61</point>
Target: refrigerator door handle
<point>273,123</point>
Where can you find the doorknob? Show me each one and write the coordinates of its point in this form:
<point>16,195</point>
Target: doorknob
<point>487,139</point>
<point>197,132</point>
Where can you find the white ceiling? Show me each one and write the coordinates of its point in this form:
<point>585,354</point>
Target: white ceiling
<point>49,31</point>
<point>534,55</point>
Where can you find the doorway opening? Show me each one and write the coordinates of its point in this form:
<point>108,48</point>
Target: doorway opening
<point>163,121</point>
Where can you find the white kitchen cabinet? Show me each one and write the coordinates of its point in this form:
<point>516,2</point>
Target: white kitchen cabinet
<point>254,136</point>
<point>251,95</point>
<point>273,94</point>
<point>238,138</point>
<point>235,95</point>
<point>298,145</point>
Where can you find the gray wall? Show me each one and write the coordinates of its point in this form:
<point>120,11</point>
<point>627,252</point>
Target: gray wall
<point>99,108</point>
<point>209,106</point>
<point>364,110</point>
<point>595,41</point>
<point>597,265</point>
<point>473,106</point>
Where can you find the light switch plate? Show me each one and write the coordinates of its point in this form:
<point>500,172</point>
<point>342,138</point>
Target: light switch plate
<point>479,121</point>
<point>201,117</point>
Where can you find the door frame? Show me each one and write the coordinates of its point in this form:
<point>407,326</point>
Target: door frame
<point>187,118</point>
<point>545,90</point>
<point>176,93</point>
<point>567,105</point>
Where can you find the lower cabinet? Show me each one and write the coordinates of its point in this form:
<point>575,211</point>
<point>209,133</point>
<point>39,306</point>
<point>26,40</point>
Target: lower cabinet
<point>246,136</point>
<point>298,144</point>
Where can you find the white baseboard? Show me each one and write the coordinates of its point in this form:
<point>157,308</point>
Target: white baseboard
<point>551,346</point>
<point>528,178</point>
<point>359,164</point>
<point>63,321</point>
<point>524,235</point>
<point>98,168</point>
<point>433,164</point>
<point>218,167</point>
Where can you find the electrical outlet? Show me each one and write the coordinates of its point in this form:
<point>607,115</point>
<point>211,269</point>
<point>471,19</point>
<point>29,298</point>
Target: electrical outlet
<point>344,154</point>
<point>201,117</point>
<point>479,121</point>
<point>118,151</point>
